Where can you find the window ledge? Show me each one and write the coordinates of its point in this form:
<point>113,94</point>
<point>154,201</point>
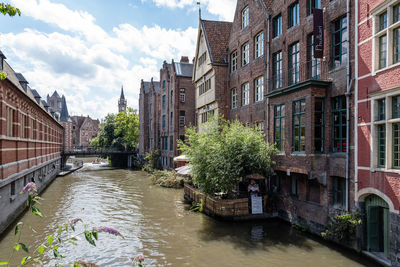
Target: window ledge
<point>302,154</point>
<point>397,171</point>
<point>378,71</point>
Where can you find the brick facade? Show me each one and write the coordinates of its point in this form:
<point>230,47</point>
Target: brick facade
<point>84,129</point>
<point>377,175</point>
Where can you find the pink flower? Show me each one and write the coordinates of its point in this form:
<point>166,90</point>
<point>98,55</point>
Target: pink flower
<point>29,188</point>
<point>109,230</point>
<point>74,221</point>
<point>139,258</point>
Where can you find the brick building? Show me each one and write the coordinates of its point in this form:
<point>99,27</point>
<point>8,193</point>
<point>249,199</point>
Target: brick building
<point>30,143</point>
<point>84,129</point>
<point>149,113</point>
<point>378,127</point>
<point>177,110</point>
<point>247,69</point>
<point>310,102</point>
<point>210,75</point>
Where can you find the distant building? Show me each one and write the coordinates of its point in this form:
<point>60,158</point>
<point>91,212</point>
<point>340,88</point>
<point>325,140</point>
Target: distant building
<point>30,143</point>
<point>58,106</point>
<point>122,102</point>
<point>84,129</point>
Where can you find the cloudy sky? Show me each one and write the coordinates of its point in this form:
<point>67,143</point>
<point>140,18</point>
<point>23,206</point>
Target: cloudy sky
<point>87,49</point>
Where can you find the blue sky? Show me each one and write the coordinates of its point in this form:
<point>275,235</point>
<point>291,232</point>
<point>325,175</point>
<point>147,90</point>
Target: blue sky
<point>87,49</point>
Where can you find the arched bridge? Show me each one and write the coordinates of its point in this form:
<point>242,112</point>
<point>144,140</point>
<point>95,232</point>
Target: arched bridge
<point>124,158</point>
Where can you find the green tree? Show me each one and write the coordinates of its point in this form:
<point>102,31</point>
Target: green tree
<point>223,153</point>
<point>106,136</point>
<point>7,9</point>
<point>127,126</point>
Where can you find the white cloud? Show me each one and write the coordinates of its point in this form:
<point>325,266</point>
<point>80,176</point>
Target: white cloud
<point>86,63</point>
<point>224,9</point>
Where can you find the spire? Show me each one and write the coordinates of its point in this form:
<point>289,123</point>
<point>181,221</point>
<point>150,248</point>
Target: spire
<point>64,110</point>
<point>198,3</point>
<point>122,92</point>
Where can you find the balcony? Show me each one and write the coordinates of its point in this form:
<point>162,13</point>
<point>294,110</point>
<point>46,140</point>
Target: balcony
<point>310,74</point>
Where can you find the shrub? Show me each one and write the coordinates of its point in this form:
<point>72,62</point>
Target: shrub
<point>342,227</point>
<point>168,179</point>
<point>152,161</point>
<point>223,153</point>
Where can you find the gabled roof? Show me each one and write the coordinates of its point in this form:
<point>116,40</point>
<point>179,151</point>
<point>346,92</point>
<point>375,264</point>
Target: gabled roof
<point>183,69</point>
<point>217,35</point>
<point>21,78</point>
<point>55,94</point>
<point>146,87</point>
<point>157,87</point>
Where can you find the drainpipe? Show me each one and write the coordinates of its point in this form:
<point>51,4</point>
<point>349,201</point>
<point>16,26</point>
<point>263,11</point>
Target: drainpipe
<point>267,74</point>
<point>348,94</point>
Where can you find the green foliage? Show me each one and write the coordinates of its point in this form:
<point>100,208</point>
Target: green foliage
<point>168,179</point>
<point>342,227</point>
<point>7,9</point>
<point>152,162</point>
<point>2,76</point>
<point>197,207</point>
<point>127,126</point>
<point>223,153</point>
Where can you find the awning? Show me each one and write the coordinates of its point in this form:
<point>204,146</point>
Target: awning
<point>184,170</point>
<point>181,158</point>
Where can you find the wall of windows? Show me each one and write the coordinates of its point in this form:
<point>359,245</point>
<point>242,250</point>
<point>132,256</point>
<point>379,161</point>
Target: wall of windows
<point>259,45</point>
<point>277,26</point>
<point>299,125</point>
<point>277,70</point>
<point>294,63</point>
<point>245,54</point>
<point>259,89</point>
<point>245,17</point>
<point>294,17</point>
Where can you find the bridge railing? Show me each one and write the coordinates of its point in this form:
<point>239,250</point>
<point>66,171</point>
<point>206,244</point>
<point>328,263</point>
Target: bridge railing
<point>91,149</point>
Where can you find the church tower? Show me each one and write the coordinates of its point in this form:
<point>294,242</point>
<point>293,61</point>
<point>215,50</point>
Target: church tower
<point>122,101</point>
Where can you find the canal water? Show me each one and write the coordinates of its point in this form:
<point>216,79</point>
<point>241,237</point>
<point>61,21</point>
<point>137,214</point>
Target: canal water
<point>156,223</point>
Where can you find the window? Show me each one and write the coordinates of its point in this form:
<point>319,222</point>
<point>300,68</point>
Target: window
<point>381,110</point>
<point>31,129</point>
<point>382,51</point>
<point>245,94</point>
<point>294,188</point>
<point>313,4</point>
<point>313,64</point>
<point>234,99</point>
<point>319,125</point>
<point>259,45</point>
<point>202,59</point>
<point>277,70</point>
<point>22,126</point>
<point>294,64</point>
<point>396,13</point>
<point>381,145</point>
<point>338,186</point>
<point>234,61</point>
<point>339,124</point>
<point>245,54</point>
<point>164,101</point>
<point>259,89</point>
<point>395,107</point>
<point>396,145</point>
<point>245,17</point>
<point>396,45</point>
<point>277,26</point>
<point>299,126</point>
<point>172,118</point>
<point>10,121</point>
<point>171,143</point>
<point>172,97</point>
<point>339,42</point>
<point>182,95</point>
<point>163,121</point>
<point>260,125</point>
<point>206,85</point>
<point>383,21</point>
<point>12,188</point>
<point>163,84</point>
<point>294,15</point>
<point>279,127</point>
<point>182,118</point>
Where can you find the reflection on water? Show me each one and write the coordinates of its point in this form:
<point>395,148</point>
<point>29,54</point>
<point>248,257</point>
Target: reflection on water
<point>156,223</point>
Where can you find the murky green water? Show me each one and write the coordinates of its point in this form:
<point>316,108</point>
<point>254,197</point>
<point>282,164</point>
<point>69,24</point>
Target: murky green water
<point>156,223</point>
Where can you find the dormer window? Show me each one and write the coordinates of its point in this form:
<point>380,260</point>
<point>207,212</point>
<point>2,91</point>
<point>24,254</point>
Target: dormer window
<point>245,17</point>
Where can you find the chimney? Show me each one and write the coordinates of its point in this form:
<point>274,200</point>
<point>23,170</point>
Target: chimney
<point>2,57</point>
<point>184,59</point>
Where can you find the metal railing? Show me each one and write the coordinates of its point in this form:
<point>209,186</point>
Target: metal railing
<point>83,150</point>
<point>310,70</point>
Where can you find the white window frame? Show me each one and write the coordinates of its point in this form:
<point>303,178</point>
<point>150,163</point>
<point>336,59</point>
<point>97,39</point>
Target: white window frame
<point>245,54</point>
<point>245,17</point>
<point>259,45</point>
<point>259,89</point>
<point>245,94</point>
<point>182,95</point>
<point>234,100</point>
<point>234,61</point>
<point>388,31</point>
